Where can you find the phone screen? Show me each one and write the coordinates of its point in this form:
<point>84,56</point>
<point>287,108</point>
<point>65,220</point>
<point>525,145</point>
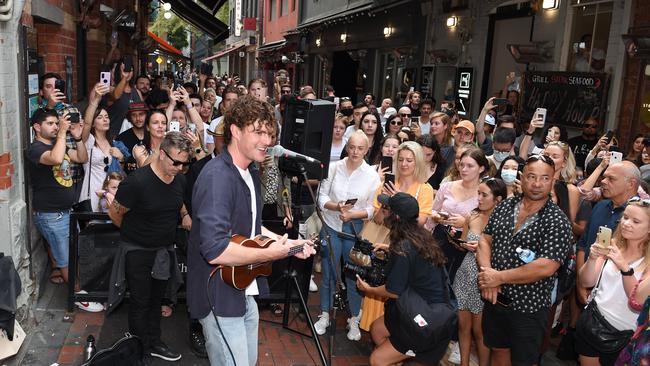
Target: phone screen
<point>387,161</point>
<point>388,177</point>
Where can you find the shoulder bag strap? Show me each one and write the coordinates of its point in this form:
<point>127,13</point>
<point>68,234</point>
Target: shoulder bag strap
<point>595,290</point>
<point>90,168</point>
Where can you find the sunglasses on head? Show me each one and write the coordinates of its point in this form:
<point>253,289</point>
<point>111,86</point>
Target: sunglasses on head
<point>639,201</point>
<point>542,158</point>
<point>174,161</point>
<point>487,178</point>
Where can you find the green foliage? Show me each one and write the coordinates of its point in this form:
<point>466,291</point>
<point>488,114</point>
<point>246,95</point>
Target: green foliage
<point>223,14</point>
<point>174,28</point>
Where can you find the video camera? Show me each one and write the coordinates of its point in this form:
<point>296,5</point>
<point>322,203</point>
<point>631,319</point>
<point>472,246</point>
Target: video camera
<point>368,264</point>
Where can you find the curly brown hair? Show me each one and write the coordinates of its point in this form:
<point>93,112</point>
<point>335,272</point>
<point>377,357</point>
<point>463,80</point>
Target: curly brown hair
<point>247,110</point>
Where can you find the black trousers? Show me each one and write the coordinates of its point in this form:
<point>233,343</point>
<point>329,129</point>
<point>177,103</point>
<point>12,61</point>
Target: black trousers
<point>146,297</point>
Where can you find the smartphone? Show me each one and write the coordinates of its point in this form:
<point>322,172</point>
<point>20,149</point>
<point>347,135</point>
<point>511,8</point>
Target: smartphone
<point>74,114</point>
<point>540,113</point>
<point>128,63</point>
<point>59,84</point>
<point>389,177</point>
<point>105,78</point>
<point>351,201</point>
<point>615,157</point>
<point>503,300</point>
<point>174,126</point>
<point>415,120</point>
<point>387,161</point>
<point>604,236</point>
<point>499,101</point>
<point>609,136</point>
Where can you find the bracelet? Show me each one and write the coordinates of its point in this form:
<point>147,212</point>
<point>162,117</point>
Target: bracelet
<point>183,215</point>
<point>189,106</point>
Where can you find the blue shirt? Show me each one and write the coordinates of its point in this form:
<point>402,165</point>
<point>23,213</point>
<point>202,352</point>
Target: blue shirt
<point>221,207</point>
<point>603,214</point>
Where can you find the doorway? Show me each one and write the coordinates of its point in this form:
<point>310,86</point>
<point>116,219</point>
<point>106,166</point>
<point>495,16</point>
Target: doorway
<point>344,75</point>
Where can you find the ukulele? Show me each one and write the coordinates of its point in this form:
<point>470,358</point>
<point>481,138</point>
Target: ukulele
<point>240,277</point>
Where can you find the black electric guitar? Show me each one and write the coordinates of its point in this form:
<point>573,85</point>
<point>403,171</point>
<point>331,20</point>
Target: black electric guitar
<point>240,277</point>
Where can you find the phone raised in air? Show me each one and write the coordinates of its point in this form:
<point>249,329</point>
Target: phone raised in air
<point>499,101</point>
<point>387,161</point>
<point>604,236</point>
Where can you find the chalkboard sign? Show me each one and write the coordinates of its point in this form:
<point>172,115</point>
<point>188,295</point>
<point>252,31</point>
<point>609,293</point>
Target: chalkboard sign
<point>569,97</point>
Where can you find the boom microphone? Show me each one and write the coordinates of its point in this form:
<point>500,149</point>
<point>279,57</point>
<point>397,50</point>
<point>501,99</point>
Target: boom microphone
<point>279,151</point>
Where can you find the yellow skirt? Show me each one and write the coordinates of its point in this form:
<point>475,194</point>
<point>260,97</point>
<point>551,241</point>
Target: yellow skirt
<point>373,308</point>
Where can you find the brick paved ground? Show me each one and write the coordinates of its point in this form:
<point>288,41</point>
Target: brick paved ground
<point>57,336</point>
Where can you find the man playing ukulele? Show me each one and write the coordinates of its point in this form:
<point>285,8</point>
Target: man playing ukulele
<point>227,201</point>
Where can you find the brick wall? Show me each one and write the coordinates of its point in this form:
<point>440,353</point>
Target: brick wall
<point>634,83</point>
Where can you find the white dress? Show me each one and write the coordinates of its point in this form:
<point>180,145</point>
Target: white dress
<point>94,171</point>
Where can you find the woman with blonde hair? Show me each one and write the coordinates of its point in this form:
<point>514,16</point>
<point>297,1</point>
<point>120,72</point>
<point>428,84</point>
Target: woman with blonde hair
<point>618,273</point>
<point>565,194</point>
<point>346,198</point>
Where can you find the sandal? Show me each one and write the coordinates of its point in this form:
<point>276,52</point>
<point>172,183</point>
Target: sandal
<point>56,277</point>
<point>276,309</point>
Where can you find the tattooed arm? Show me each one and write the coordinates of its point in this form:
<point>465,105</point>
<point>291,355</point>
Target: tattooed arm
<point>116,212</point>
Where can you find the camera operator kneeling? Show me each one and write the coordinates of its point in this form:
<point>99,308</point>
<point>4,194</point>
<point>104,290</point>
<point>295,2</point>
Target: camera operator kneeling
<point>415,272</point>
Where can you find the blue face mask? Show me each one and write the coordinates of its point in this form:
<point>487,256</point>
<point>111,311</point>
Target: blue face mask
<point>508,176</point>
<point>500,156</point>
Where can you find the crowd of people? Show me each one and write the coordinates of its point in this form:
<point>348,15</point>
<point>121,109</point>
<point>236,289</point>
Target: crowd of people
<point>509,223</point>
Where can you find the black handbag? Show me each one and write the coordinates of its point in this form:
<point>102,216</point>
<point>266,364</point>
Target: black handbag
<point>425,325</point>
<point>596,331</point>
<point>128,351</point>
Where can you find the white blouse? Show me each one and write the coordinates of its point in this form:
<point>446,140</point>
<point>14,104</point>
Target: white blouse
<point>339,186</point>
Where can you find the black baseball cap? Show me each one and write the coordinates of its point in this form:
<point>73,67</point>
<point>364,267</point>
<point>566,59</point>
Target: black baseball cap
<point>402,204</point>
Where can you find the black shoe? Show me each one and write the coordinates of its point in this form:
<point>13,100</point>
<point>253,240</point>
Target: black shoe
<point>197,343</point>
<point>162,351</point>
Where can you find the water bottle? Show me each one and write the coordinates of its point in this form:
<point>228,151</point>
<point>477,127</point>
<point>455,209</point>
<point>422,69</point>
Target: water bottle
<point>90,349</point>
<point>526,255</point>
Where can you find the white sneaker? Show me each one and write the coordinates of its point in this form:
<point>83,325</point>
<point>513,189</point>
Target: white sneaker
<point>454,355</point>
<point>92,307</point>
<point>354,334</point>
<point>312,285</point>
<point>322,323</point>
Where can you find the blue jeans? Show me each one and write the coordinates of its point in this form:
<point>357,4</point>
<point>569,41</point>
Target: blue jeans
<point>240,334</point>
<point>339,246</point>
<point>55,228</point>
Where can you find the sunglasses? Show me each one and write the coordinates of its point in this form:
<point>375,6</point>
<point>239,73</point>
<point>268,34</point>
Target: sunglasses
<point>106,163</point>
<point>176,162</point>
<point>405,115</point>
<point>542,158</point>
<point>286,91</point>
<point>590,126</point>
<point>639,201</point>
<point>396,122</point>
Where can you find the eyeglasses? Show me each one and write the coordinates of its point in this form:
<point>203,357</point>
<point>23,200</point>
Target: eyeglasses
<point>405,115</point>
<point>542,158</point>
<point>639,201</point>
<point>286,91</point>
<point>396,122</point>
<point>174,161</point>
<point>590,126</point>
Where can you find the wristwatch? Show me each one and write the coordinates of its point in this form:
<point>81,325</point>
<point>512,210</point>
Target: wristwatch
<point>198,150</point>
<point>629,272</point>
<point>528,134</point>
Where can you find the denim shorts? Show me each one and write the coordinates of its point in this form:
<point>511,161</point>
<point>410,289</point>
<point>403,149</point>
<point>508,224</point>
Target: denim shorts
<point>55,228</point>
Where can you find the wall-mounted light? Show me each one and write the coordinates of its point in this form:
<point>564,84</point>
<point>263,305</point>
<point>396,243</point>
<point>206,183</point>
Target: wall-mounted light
<point>452,21</point>
<point>388,31</point>
<point>318,42</point>
<point>550,4</point>
<point>167,15</point>
<point>344,37</point>
<point>167,6</point>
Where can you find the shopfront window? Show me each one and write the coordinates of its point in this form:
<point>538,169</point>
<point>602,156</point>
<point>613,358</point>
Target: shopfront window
<point>589,35</point>
<point>387,75</point>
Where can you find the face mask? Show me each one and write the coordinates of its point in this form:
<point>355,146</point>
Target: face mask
<point>500,156</point>
<point>347,112</point>
<point>508,176</point>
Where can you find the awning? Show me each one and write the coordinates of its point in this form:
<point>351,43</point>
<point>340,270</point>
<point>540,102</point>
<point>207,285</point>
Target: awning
<point>272,46</point>
<point>200,18</point>
<point>164,44</point>
<point>320,18</point>
<point>222,53</point>
<point>213,5</point>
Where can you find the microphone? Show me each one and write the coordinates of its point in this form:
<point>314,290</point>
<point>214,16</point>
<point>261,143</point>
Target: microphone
<point>279,151</point>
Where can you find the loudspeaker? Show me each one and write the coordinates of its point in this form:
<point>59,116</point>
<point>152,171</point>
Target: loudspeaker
<point>307,129</point>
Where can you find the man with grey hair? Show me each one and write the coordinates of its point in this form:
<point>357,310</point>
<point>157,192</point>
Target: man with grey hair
<point>147,208</point>
<point>620,183</point>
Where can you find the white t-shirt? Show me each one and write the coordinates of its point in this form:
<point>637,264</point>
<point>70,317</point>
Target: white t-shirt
<point>209,139</point>
<point>348,132</point>
<point>252,289</point>
<point>335,152</point>
<point>425,128</point>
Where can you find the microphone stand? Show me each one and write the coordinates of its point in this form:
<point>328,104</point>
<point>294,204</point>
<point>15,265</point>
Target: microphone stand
<point>338,302</point>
